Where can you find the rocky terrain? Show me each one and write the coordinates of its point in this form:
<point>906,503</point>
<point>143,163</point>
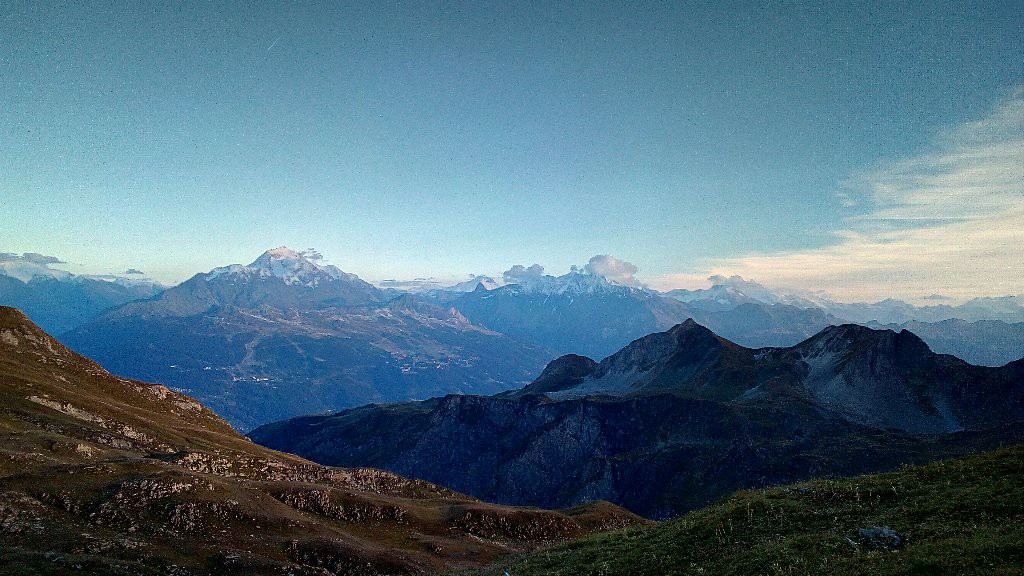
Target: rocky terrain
<point>679,419</point>
<point>105,475</point>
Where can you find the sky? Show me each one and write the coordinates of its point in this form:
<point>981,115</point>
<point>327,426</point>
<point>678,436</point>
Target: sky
<point>869,150</point>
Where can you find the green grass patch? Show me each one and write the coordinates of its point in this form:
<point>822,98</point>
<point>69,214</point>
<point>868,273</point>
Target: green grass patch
<point>962,516</point>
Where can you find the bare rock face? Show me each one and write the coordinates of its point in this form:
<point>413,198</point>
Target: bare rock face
<point>104,475</point>
<point>891,380</point>
<point>678,419</point>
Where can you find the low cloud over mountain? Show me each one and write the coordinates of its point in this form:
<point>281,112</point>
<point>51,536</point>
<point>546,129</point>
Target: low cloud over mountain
<point>614,270</point>
<point>520,273</point>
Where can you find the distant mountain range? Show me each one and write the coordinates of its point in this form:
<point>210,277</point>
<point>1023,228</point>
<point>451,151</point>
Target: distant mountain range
<point>680,418</point>
<point>63,303</point>
<point>986,331</point>
<point>577,312</point>
<point>104,475</point>
<point>286,335</point>
<point>586,314</point>
<point>729,292</point>
<point>985,342</point>
<point>58,300</point>
<point>435,287</point>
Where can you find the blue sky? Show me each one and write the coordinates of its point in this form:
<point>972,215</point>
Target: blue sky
<point>798,144</point>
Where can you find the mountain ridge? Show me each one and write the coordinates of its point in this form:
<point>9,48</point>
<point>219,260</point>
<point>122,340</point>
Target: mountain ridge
<point>679,418</point>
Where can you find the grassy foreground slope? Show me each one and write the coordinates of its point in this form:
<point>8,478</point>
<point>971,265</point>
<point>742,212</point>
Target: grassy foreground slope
<point>962,516</point>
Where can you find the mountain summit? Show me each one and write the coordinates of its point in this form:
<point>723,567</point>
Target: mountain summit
<point>681,418</point>
<point>294,268</point>
<point>280,278</point>
<point>688,359</point>
<point>878,378</point>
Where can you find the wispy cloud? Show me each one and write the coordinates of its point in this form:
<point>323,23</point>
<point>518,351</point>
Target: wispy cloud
<point>31,258</point>
<point>950,221</point>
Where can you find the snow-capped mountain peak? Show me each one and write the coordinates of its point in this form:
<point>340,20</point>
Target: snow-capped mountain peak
<point>294,268</point>
<point>474,281</point>
<point>576,282</point>
<point>581,283</point>
<point>728,290</point>
<point>281,253</point>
